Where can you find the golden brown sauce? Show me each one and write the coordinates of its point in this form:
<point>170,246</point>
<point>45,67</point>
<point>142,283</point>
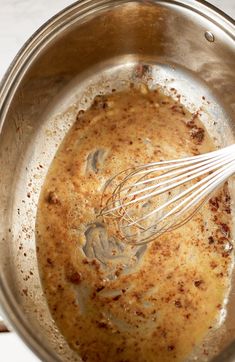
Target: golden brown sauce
<point>114,302</point>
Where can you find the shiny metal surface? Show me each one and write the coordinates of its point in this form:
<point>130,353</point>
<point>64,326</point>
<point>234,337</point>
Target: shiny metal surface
<point>92,47</point>
<point>3,327</point>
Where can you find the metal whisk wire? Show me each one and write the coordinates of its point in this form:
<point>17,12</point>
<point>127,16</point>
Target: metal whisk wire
<point>152,199</point>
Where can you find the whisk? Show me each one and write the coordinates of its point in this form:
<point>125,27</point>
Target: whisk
<point>151,199</point>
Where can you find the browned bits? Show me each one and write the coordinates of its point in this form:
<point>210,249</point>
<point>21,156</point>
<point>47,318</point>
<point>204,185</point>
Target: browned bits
<point>214,203</point>
<point>85,261</point>
<point>96,264</point>
<point>199,284</point>
<point>100,102</point>
<point>213,264</point>
<point>171,347</point>
<point>25,292</point>
<point>181,287</point>
<point>80,113</point>
<point>222,240</point>
<point>178,304</point>
<point>102,324</point>
<point>178,109</point>
<point>75,278</point>
<point>225,229</point>
<point>59,287</point>
<point>227,206</point>
<point>211,240</point>
<point>72,275</point>
<point>190,124</point>
<point>226,199</point>
<point>197,134</point>
<point>139,313</point>
<point>52,198</point>
<point>49,262</point>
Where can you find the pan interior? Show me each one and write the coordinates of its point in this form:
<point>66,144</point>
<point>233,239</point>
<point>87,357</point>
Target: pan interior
<point>117,74</point>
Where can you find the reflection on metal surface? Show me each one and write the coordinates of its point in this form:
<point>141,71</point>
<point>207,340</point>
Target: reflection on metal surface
<point>209,36</point>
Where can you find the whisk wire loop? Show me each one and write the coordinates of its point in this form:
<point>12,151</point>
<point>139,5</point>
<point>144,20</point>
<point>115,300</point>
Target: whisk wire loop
<point>149,200</point>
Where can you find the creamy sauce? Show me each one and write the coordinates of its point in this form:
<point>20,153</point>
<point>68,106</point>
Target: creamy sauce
<point>114,302</point>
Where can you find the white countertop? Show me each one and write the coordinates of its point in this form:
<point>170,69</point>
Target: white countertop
<point>18,20</point>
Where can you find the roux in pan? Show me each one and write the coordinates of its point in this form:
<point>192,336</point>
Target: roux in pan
<point>114,302</point>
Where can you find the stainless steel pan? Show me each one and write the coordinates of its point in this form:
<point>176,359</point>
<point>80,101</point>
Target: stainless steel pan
<point>95,46</point>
